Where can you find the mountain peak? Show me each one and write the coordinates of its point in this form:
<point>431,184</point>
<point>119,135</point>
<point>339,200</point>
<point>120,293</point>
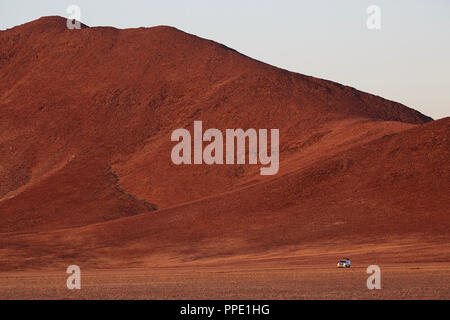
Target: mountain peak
<point>46,23</point>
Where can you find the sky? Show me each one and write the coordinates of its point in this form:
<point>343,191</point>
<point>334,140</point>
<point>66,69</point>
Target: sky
<point>407,60</point>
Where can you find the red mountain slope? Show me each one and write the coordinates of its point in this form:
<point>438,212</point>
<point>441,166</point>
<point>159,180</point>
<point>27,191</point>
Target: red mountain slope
<point>86,117</point>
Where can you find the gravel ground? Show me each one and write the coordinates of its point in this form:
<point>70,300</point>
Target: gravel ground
<point>397,282</point>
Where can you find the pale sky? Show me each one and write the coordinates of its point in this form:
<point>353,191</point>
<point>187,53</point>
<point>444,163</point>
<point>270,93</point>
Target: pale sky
<point>407,60</point>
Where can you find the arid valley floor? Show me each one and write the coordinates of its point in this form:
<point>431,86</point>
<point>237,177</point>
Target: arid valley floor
<point>401,281</point>
<point>294,277</point>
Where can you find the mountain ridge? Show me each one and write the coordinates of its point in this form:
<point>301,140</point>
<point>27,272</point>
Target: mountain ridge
<point>85,121</point>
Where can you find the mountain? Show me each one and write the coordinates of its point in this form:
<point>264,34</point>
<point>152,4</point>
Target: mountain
<point>86,118</point>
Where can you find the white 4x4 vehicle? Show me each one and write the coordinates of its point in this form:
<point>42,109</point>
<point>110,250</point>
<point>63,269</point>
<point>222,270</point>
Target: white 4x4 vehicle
<point>344,263</point>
